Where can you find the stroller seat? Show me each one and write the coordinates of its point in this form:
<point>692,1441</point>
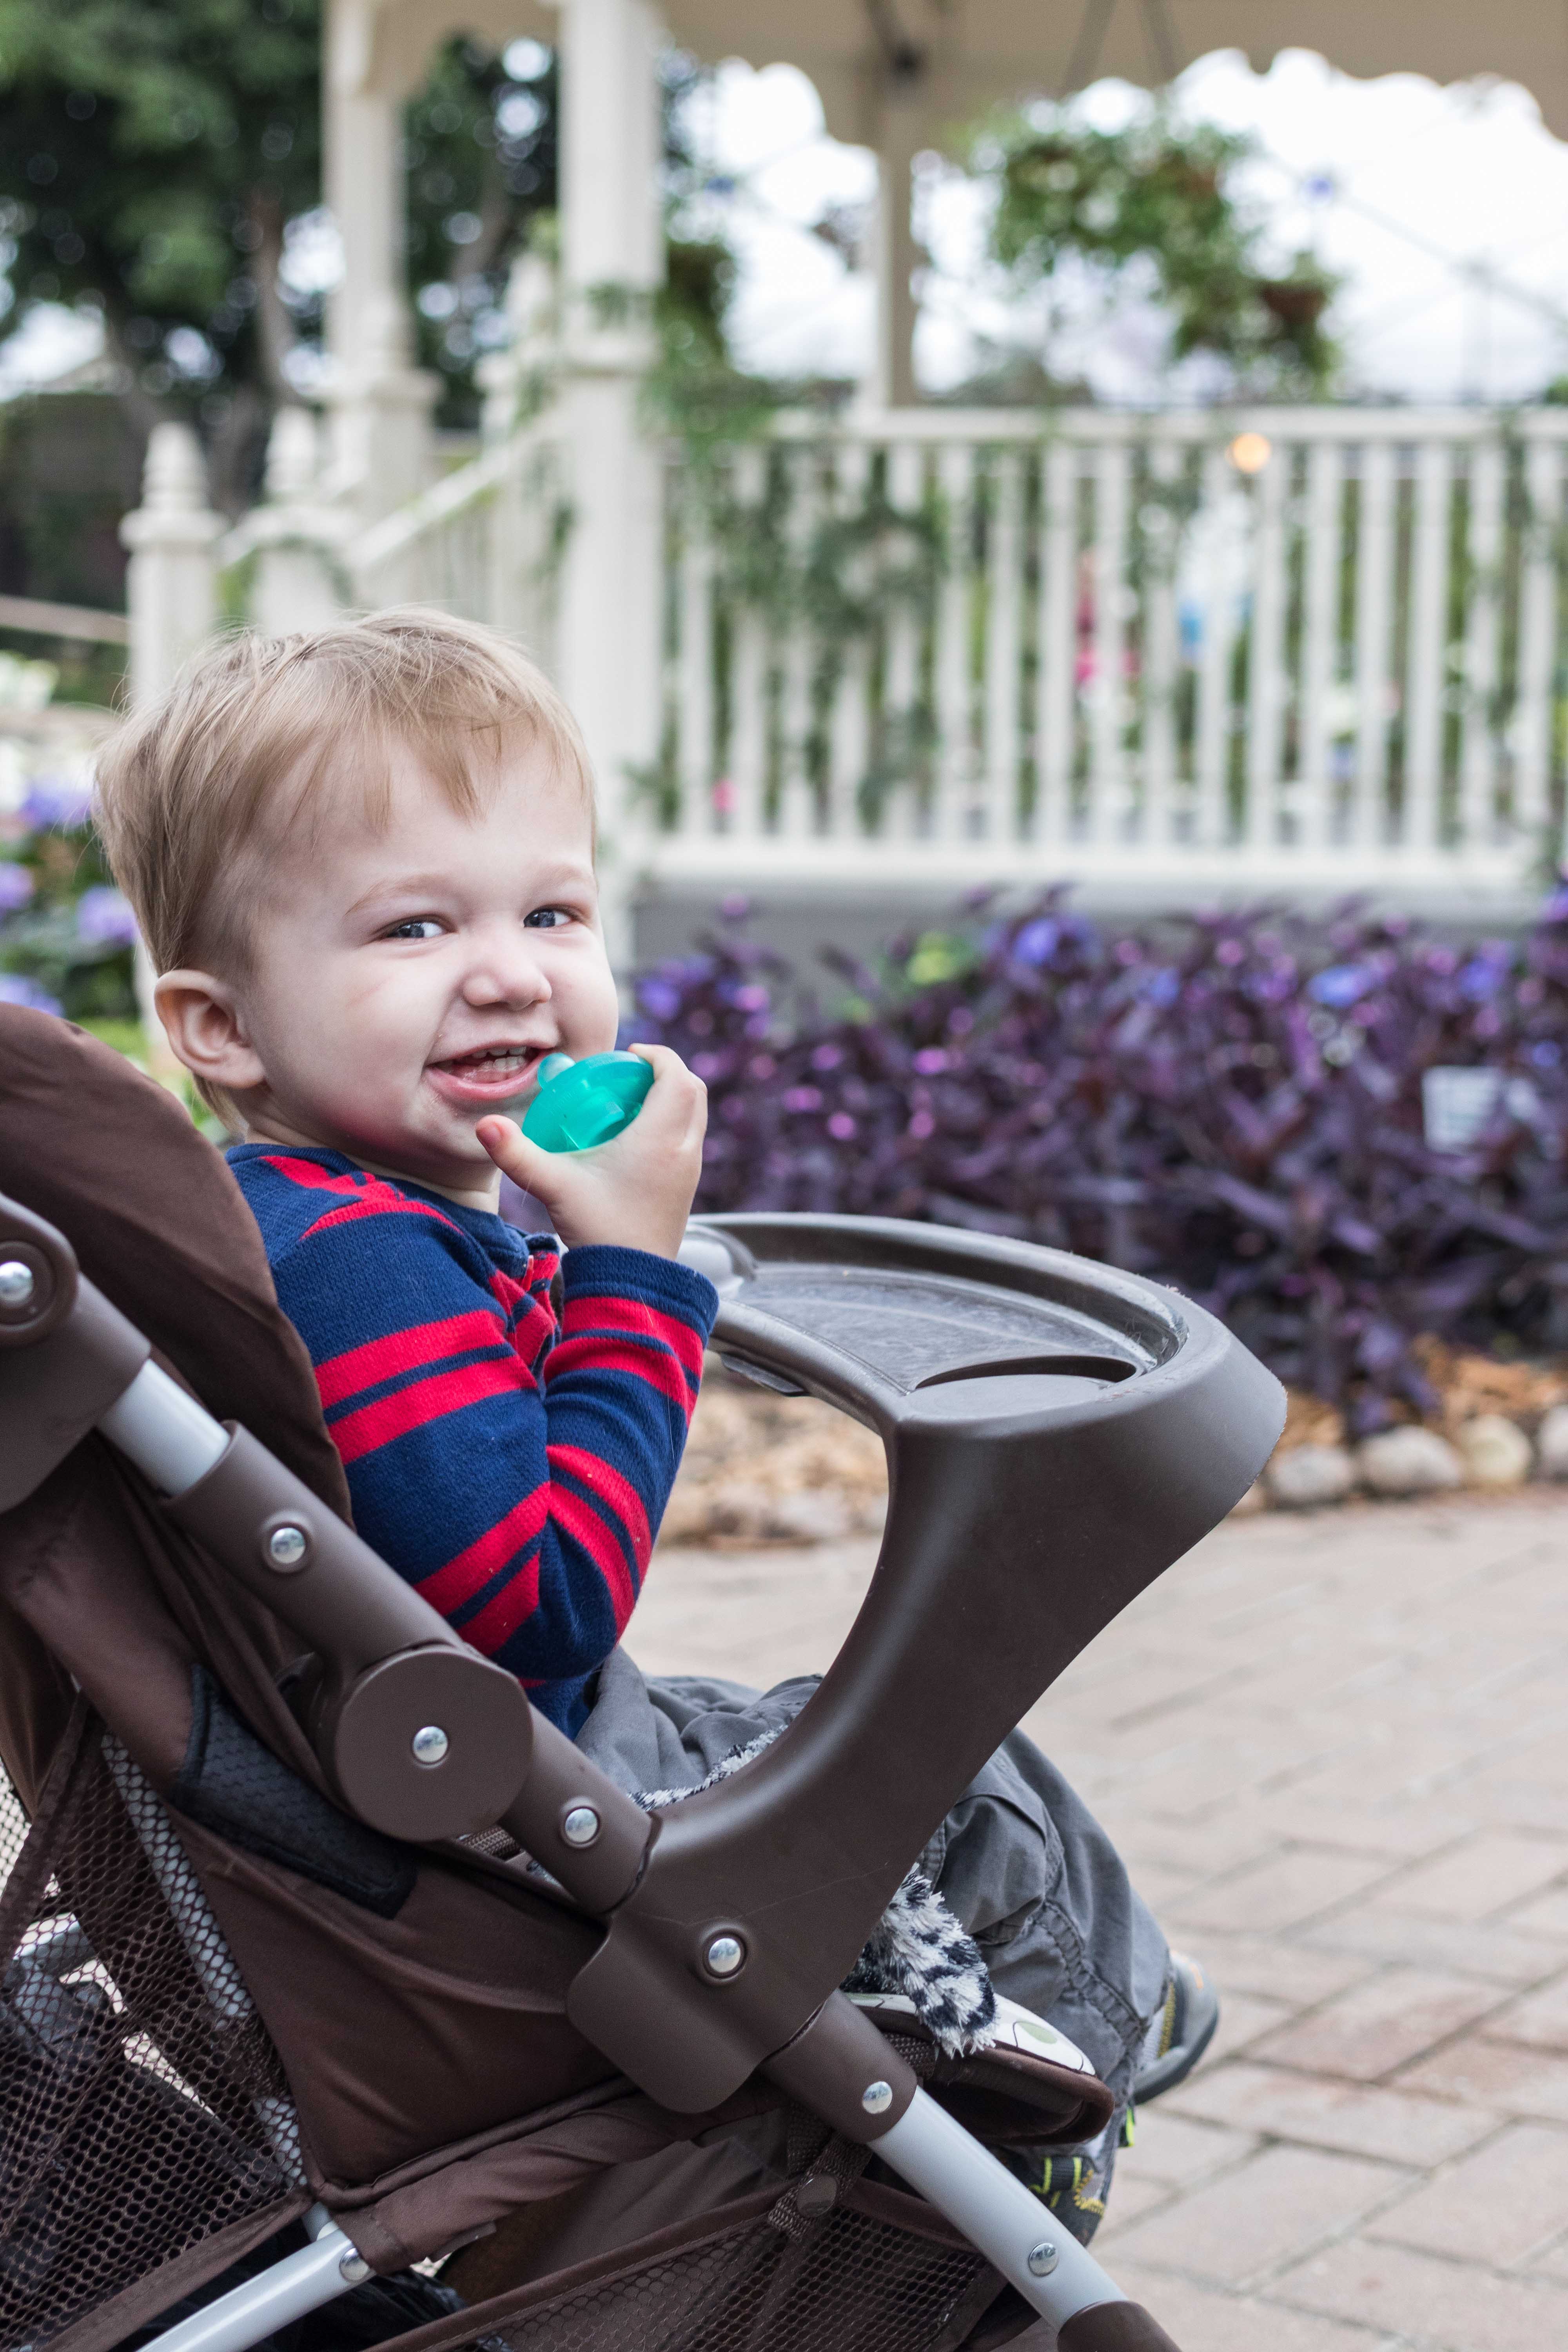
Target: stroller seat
<point>281,1996</point>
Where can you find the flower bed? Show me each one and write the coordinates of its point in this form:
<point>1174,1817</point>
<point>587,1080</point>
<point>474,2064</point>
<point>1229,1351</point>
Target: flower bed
<point>1232,1103</point>
<point>66,934</point>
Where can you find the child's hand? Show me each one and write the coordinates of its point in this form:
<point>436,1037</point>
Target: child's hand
<point>637,1188</point>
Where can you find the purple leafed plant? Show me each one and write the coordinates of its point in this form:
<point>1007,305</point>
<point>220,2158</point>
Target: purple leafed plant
<point>1229,1102</point>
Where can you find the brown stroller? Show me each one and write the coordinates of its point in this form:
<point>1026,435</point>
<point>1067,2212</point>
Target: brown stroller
<point>325,1955</point>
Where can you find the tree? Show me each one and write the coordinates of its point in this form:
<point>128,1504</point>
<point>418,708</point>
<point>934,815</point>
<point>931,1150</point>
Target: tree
<point>155,156</point>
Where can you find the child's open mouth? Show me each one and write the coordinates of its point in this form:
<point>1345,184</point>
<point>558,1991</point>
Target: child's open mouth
<point>489,1075</point>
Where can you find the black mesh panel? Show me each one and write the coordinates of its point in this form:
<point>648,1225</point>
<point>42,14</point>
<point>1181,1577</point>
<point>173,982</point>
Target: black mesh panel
<point>142,2108</point>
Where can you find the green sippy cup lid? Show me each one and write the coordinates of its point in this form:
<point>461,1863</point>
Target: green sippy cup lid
<point>583,1103</point>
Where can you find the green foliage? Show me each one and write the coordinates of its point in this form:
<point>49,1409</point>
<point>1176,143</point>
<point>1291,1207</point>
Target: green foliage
<point>149,158</point>
<point>481,150</point>
<point>1158,194</point>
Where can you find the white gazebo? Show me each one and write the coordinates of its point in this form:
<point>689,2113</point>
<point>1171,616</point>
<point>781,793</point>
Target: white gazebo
<point>1087,711</point>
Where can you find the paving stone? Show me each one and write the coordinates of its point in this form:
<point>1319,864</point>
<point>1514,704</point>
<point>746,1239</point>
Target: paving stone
<point>1507,2200</point>
<point>1547,1915</point>
<point>1454,2306</point>
<point>1381,2024</point>
<point>1481,1875</point>
<point>1283,1892</point>
<point>1540,2019</point>
<point>1275,1969</point>
<point>1497,1952</point>
<point>1394,2126</point>
<point>1273,2210</point>
<point>1203,2319</point>
<point>1498,2075</point>
<point>1179,2151</point>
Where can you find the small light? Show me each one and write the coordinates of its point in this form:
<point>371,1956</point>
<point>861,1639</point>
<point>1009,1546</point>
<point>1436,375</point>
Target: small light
<point>580,1825</point>
<point>1250,452</point>
<point>286,1547</point>
<point>876,2098</point>
<point>18,1284</point>
<point>725,1954</point>
<point>430,1745</point>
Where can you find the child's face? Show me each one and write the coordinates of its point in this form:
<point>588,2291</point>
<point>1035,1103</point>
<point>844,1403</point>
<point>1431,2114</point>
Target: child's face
<point>407,982</point>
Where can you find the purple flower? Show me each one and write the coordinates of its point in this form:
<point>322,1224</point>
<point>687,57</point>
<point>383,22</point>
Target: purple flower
<point>1163,987</point>
<point>16,886</point>
<point>930,1061</point>
<point>659,998</point>
<point>63,802</point>
<point>16,988</point>
<point>1230,951</point>
<point>802,1098</point>
<point>826,1057</point>
<point>1037,942</point>
<point>841,1127</point>
<point>752,998</point>
<point>104,917</point>
<point>1342,984</point>
<point>1482,977</point>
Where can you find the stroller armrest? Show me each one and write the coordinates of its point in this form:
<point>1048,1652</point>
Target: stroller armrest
<point>1057,1433</point>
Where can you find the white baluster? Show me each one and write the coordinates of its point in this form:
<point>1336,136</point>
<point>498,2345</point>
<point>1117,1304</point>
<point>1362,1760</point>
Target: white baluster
<point>1105,816</point>
<point>797,809</point>
<point>1003,615</point>
<point>954,714</point>
<point>1374,641</point>
<point>1266,682</point>
<point>1057,668</point>
<point>1320,646</point>
<point>1160,645</point>
<point>1539,591</point>
<point>1426,671</point>
<point>694,665</point>
<point>901,681</point>
<point>747,779</point>
<point>1211,759</point>
<point>1478,748</point>
<point>849,733</point>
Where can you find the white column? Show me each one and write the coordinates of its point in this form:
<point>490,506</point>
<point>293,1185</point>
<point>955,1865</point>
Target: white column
<point>171,579</point>
<point>298,583</point>
<point>171,597</point>
<point>381,402</point>
<point>901,133</point>
<point>612,587</point>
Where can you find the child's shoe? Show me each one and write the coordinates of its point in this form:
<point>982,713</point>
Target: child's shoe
<point>1180,2033</point>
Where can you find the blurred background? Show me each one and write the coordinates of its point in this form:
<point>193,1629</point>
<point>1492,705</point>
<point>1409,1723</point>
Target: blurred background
<point>1055,530</point>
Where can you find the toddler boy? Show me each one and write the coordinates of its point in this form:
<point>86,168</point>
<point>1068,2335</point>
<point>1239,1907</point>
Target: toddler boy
<point>362,861</point>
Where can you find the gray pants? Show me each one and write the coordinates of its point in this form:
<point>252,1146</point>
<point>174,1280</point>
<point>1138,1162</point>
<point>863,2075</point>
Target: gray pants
<point>1020,1859</point>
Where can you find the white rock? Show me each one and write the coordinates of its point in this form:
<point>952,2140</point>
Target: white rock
<point>1551,1442</point>
<point>1410,1461</point>
<point>1310,1475</point>
<point>1495,1450</point>
<point>821,1518</point>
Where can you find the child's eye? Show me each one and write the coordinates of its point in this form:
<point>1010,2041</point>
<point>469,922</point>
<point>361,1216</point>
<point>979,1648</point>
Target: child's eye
<point>546,919</point>
<point>417,926</point>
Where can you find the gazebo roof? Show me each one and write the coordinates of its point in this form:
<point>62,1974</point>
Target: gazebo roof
<point>975,52</point>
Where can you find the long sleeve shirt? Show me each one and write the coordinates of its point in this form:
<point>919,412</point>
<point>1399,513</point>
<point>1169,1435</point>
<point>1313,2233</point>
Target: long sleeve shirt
<point>511,1419</point>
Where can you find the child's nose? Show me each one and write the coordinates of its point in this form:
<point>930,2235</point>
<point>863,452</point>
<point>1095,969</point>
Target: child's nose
<point>507,973</point>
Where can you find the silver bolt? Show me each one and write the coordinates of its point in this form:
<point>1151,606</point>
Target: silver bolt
<point>286,1547</point>
<point>876,2098</point>
<point>18,1283</point>
<point>430,1745</point>
<point>353,2267</point>
<point>581,1826</point>
<point>725,1954</point>
<point>1042,2259</point>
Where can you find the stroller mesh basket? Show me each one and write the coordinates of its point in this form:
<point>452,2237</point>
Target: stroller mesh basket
<point>854,2279</point>
<point>145,2108</point>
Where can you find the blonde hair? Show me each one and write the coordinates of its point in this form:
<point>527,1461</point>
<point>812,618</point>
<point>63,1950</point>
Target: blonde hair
<point>240,752</point>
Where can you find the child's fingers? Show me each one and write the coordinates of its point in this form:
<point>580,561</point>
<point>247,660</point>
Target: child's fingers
<point>676,1107</point>
<point>533,1170</point>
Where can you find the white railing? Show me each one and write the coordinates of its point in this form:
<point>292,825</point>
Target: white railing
<point>967,645</point>
<point>485,541</point>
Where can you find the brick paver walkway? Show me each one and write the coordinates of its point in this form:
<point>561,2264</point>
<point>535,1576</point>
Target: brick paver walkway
<point>1334,1752</point>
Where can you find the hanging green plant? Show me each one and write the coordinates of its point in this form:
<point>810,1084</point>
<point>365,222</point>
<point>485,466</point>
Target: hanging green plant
<point>1158,194</point>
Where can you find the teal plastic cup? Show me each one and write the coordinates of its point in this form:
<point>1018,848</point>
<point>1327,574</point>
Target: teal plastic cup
<point>583,1103</point>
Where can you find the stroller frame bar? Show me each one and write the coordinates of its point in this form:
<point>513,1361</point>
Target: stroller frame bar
<point>250,2312</point>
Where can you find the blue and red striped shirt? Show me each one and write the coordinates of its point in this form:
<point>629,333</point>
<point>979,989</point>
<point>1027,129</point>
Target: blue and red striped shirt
<point>510,1420</point>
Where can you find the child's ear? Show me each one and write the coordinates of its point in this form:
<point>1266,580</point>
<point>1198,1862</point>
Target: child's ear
<point>203,1024</point>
